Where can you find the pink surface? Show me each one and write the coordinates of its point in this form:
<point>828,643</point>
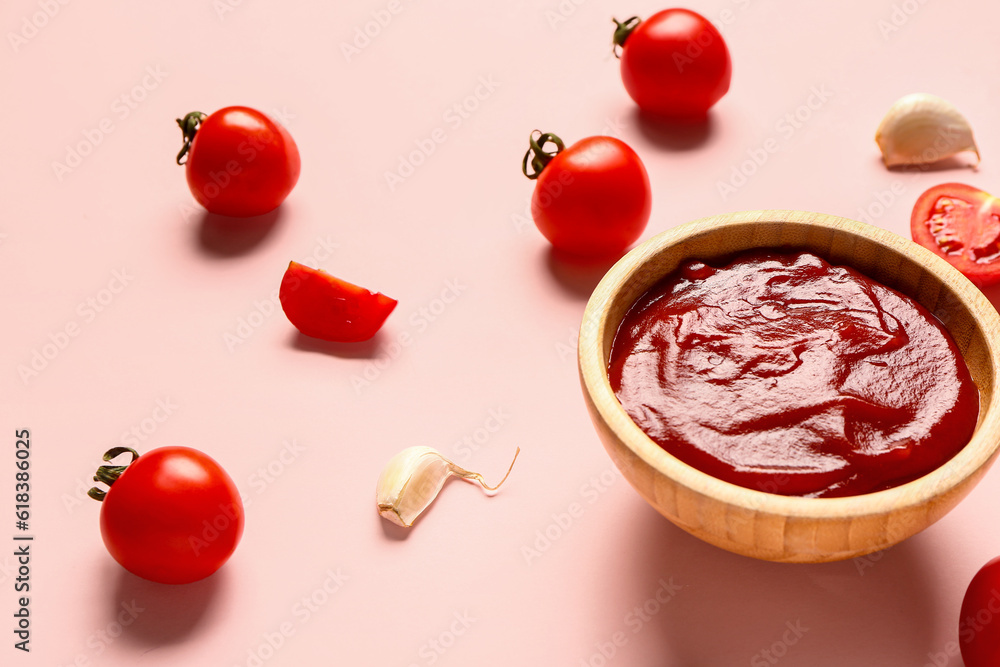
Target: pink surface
<point>478,357</point>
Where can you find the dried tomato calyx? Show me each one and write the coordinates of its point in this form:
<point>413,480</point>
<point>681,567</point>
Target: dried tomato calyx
<point>110,474</point>
<point>537,156</point>
<point>959,228</point>
<point>189,127</point>
<point>622,31</point>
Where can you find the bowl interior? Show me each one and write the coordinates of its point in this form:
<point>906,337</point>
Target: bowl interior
<point>886,257</point>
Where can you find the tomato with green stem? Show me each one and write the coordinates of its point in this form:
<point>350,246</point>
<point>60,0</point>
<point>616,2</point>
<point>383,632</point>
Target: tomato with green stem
<point>960,224</point>
<point>172,515</point>
<point>591,199</point>
<point>675,63</point>
<point>238,161</point>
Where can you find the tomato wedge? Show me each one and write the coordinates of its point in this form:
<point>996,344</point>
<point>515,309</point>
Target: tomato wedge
<point>961,224</point>
<point>325,307</point>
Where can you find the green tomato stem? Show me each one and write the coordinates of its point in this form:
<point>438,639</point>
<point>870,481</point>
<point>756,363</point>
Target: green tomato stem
<point>537,156</point>
<point>622,32</point>
<point>110,474</point>
<point>189,126</point>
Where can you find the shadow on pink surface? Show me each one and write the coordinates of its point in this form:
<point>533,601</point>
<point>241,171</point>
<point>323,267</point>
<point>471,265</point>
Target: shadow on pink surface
<point>368,349</point>
<point>961,162</point>
<point>727,609</point>
<point>221,236</point>
<point>673,134</point>
<point>577,276</point>
<point>151,614</point>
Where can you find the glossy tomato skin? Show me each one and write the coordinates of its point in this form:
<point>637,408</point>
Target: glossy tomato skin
<point>173,517</point>
<point>960,224</point>
<point>675,63</point>
<point>593,198</point>
<point>979,621</point>
<point>241,163</point>
<point>325,307</point>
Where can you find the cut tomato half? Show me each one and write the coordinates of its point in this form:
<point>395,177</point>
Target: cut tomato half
<point>961,224</point>
<point>323,306</point>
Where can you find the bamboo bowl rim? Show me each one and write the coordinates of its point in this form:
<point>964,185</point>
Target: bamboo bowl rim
<point>605,311</point>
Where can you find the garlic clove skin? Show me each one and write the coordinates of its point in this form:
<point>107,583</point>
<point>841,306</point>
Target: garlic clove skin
<point>409,483</point>
<point>411,480</point>
<point>922,129</point>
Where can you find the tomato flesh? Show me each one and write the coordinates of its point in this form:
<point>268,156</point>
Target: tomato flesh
<point>325,307</point>
<point>961,224</point>
<point>241,163</point>
<point>173,517</point>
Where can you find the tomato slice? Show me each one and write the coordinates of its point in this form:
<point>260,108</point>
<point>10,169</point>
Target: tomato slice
<point>961,224</point>
<point>325,307</point>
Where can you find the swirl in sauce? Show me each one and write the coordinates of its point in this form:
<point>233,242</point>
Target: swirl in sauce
<point>781,373</point>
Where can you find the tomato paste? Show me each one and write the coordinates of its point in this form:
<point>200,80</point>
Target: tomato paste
<point>782,373</point>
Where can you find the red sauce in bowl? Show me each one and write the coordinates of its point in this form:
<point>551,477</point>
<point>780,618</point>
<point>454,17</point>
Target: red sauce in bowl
<point>782,373</point>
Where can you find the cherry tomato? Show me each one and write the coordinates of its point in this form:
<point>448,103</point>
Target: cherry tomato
<point>322,306</point>
<point>172,515</point>
<point>590,199</point>
<point>961,224</point>
<point>240,163</point>
<point>675,63</point>
<point>979,622</point>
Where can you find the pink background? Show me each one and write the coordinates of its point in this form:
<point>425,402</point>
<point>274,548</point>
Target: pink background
<point>489,316</point>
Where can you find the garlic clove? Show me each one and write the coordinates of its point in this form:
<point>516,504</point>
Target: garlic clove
<point>921,129</point>
<point>411,480</point>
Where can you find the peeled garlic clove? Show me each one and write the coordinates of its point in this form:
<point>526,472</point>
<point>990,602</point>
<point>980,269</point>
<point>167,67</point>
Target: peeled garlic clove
<point>412,479</point>
<point>921,129</point>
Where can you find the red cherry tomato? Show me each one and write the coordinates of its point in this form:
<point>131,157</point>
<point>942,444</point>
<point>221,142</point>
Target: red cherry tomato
<point>590,199</point>
<point>979,622</point>
<point>675,63</point>
<point>172,515</point>
<point>961,224</point>
<point>322,306</point>
<point>240,163</point>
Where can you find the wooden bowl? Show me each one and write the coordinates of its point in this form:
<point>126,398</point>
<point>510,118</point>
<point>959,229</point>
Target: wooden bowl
<point>764,525</point>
